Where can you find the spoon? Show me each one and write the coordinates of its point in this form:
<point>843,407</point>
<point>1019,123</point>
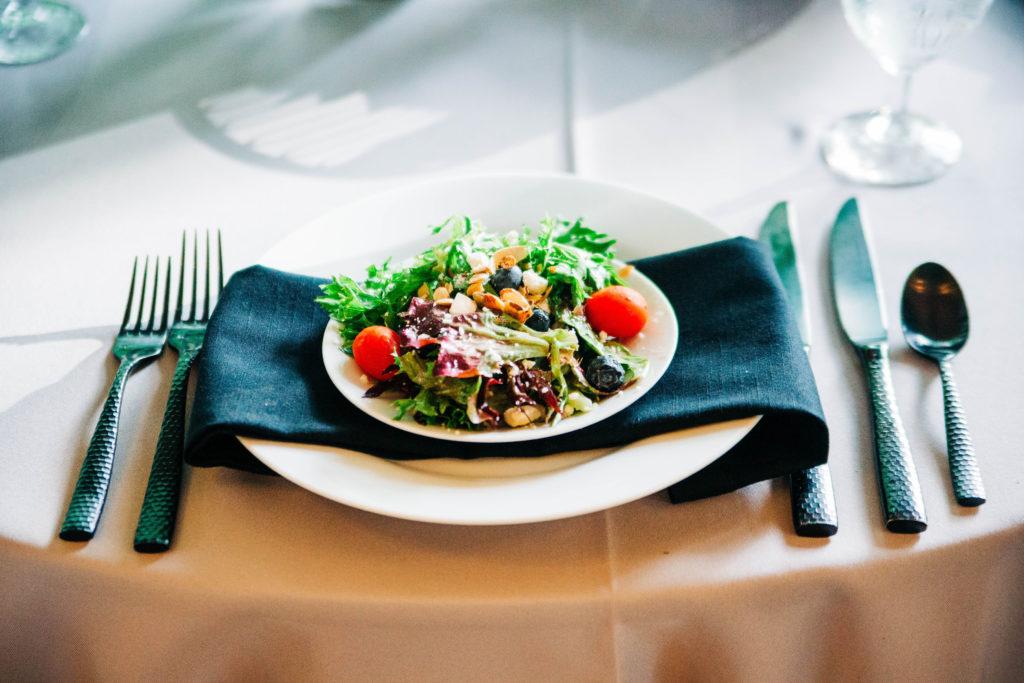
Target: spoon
<point>935,323</point>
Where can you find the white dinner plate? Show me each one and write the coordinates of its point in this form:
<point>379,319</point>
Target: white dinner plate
<point>492,490</point>
<point>657,343</point>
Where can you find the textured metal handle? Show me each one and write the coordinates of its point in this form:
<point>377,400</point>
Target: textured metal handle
<point>94,478</point>
<point>963,467</point>
<point>901,492</point>
<point>160,506</point>
<point>814,504</point>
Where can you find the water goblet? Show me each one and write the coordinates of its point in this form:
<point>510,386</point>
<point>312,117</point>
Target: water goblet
<point>892,146</point>
<point>35,30</point>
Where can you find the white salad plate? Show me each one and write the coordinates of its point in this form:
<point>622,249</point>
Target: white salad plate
<point>657,343</point>
<point>488,491</point>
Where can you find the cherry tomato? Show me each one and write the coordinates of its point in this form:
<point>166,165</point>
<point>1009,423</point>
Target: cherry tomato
<point>618,311</point>
<point>374,350</point>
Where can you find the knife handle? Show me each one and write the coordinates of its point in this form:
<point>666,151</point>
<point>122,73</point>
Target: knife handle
<point>963,466</point>
<point>814,504</point>
<point>901,491</point>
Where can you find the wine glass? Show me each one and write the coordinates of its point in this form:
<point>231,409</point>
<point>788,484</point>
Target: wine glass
<point>35,30</point>
<point>894,146</point>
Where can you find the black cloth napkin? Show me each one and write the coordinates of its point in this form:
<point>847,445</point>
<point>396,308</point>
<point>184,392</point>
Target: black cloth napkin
<point>261,374</point>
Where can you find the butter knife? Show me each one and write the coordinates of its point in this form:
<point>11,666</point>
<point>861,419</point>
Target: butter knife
<point>858,302</point>
<point>814,504</point>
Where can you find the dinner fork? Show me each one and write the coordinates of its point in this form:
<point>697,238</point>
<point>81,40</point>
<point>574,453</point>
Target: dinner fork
<point>160,506</point>
<point>134,344</point>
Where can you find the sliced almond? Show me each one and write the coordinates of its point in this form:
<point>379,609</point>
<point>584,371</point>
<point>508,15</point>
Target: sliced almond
<point>423,292</point>
<point>441,293</point>
<point>509,256</point>
<point>514,297</point>
<point>494,303</point>
<point>479,277</point>
<point>520,314</point>
<point>478,296</point>
<point>626,271</point>
<point>475,288</point>
<point>447,301</point>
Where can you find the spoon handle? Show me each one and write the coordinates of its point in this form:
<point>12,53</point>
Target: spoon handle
<point>901,491</point>
<point>963,466</point>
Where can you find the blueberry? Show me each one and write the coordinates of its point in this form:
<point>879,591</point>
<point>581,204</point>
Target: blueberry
<point>507,278</point>
<point>539,320</point>
<point>605,373</point>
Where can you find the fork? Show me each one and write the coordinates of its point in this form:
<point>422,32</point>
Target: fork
<point>133,344</point>
<point>160,506</point>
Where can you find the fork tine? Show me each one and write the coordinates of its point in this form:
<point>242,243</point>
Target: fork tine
<point>131,294</point>
<point>195,268</point>
<point>156,291</point>
<point>167,297</point>
<point>142,295</point>
<point>220,265</point>
<point>206,288</point>
<point>181,280</point>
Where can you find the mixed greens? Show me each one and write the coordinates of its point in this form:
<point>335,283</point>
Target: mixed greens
<point>486,330</point>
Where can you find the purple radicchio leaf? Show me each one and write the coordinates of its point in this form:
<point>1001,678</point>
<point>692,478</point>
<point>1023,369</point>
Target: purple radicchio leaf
<point>400,383</point>
<point>531,387</point>
<point>484,410</point>
<point>422,324</point>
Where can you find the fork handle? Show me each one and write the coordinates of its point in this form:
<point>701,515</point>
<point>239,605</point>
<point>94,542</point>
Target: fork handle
<point>94,477</point>
<point>963,466</point>
<point>901,491</point>
<point>160,506</point>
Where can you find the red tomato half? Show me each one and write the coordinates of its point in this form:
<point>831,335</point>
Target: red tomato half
<point>618,311</point>
<point>374,350</point>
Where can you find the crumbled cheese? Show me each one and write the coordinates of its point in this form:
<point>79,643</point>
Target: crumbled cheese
<point>534,283</point>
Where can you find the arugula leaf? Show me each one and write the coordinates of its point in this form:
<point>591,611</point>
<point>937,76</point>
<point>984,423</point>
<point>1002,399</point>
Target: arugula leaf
<point>348,302</point>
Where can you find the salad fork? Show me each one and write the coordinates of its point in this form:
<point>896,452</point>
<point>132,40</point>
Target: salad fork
<point>134,344</point>
<point>160,505</point>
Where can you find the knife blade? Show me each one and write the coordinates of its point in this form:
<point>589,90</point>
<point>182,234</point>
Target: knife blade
<point>811,493</point>
<point>858,302</point>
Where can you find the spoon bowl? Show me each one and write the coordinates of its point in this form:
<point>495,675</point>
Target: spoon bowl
<point>934,312</point>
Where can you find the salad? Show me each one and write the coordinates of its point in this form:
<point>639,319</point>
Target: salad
<point>487,330</point>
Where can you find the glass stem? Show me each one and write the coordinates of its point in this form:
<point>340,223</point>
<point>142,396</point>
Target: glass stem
<point>905,93</point>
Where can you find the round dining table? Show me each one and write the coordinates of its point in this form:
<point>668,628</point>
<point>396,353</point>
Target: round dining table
<point>257,117</point>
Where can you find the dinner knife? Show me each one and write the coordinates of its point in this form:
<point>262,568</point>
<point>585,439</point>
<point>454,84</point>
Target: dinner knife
<point>858,301</point>
<point>810,490</point>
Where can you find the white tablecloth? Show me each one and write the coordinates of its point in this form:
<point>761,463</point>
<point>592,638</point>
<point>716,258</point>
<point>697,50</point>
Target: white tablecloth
<point>257,117</point>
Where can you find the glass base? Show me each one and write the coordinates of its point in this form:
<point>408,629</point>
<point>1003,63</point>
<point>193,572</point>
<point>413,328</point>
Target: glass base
<point>890,148</point>
<point>32,32</point>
